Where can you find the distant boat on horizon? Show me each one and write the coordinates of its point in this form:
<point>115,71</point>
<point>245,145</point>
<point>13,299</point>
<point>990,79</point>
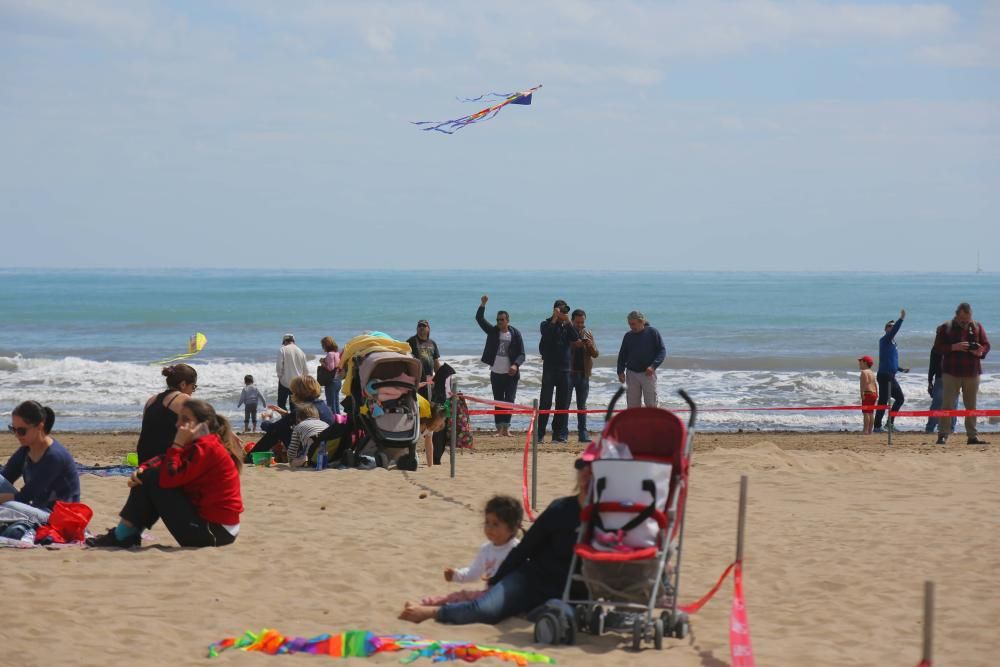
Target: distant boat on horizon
<point>979,266</point>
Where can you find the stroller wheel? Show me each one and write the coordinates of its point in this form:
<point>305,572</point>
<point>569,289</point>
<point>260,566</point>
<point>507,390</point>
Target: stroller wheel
<point>637,634</point>
<point>349,459</point>
<point>547,629</point>
<point>681,626</point>
<point>658,634</point>
<point>596,624</point>
<point>571,629</point>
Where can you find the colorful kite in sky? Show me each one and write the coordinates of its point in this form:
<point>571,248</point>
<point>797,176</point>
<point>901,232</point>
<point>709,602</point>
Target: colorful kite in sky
<point>453,126</point>
<point>195,345</point>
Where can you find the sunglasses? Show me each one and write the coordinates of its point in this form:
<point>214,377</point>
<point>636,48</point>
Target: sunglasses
<point>18,431</point>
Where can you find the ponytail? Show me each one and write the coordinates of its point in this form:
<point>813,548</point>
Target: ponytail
<point>35,413</point>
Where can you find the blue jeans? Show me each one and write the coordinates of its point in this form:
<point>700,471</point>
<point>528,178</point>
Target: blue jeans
<point>937,400</point>
<point>559,380</point>
<point>333,395</point>
<point>512,595</point>
<point>35,513</point>
<point>580,384</point>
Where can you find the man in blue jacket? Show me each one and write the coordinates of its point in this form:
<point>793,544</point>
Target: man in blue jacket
<point>641,353</point>
<point>504,354</point>
<point>888,366</point>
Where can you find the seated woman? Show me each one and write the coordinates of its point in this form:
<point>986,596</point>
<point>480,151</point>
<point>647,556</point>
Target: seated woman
<point>533,572</point>
<point>47,467</point>
<point>159,417</point>
<point>305,389</point>
<point>194,487</point>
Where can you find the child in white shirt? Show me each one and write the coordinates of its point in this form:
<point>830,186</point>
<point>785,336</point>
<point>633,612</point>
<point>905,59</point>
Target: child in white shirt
<point>501,524</point>
<point>309,425</point>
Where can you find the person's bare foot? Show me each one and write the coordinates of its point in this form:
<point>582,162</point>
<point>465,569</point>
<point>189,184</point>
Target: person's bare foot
<point>417,613</point>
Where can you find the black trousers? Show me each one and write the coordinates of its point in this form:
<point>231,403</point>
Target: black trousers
<point>559,381</point>
<point>283,394</point>
<point>888,387</point>
<point>504,389</point>
<point>150,502</point>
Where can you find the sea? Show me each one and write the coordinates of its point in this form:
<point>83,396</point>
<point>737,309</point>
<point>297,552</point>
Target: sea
<point>83,341</point>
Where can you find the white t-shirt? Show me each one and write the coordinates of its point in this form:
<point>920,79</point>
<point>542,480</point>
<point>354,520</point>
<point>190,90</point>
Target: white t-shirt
<point>487,561</point>
<point>502,362</point>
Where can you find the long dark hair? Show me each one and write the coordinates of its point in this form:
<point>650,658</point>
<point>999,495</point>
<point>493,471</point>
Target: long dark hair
<point>219,425</point>
<point>180,373</point>
<point>35,413</point>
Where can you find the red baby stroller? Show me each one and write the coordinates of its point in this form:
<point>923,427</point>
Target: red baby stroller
<point>629,551</point>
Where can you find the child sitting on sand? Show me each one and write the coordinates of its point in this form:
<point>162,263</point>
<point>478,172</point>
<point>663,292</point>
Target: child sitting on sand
<point>308,425</point>
<point>501,523</point>
<point>869,391</point>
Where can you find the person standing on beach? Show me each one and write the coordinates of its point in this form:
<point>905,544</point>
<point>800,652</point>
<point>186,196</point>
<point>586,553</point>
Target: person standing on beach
<point>935,388</point>
<point>584,353</point>
<point>557,337</point>
<point>504,354</point>
<point>641,353</point>
<point>423,347</point>
<point>888,366</point>
<point>331,362</point>
<point>963,345</point>
<point>869,391</point>
<point>250,397</point>
<point>291,364</point>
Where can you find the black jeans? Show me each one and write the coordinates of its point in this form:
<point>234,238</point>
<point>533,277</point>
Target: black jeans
<point>887,386</point>
<point>557,379</point>
<point>504,389</point>
<point>580,384</point>
<point>283,394</point>
<point>149,502</point>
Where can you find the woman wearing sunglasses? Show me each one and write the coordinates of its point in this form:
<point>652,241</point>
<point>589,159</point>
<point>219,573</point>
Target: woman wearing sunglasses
<point>48,469</point>
<point>159,417</point>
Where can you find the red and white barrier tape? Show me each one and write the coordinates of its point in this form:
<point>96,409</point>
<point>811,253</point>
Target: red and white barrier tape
<point>740,649</point>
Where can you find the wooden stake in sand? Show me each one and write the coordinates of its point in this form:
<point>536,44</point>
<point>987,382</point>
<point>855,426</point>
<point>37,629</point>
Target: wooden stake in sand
<point>741,522</point>
<point>534,456</point>
<point>455,396</point>
<point>928,654</point>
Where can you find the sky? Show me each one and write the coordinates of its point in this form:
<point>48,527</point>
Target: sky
<point>688,135</point>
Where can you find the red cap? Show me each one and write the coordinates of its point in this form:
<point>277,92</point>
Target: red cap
<point>867,359</point>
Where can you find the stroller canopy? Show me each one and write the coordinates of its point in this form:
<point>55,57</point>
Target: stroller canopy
<point>384,366</point>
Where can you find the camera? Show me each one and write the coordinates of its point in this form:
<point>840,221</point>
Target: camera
<point>564,309</point>
<point>973,345</point>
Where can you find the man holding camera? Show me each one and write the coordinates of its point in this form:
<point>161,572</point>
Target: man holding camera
<point>557,337</point>
<point>963,345</point>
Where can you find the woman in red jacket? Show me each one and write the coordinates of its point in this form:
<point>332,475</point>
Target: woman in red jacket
<point>194,487</point>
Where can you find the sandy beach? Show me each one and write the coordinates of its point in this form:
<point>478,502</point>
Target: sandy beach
<point>842,531</point>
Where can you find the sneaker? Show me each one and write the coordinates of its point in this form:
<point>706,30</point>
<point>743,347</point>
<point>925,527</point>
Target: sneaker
<point>942,440</point>
<point>877,429</point>
<point>977,441</point>
<point>559,441</point>
<point>585,437</point>
<point>108,540</point>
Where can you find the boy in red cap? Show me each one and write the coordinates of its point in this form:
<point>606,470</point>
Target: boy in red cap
<point>869,391</point>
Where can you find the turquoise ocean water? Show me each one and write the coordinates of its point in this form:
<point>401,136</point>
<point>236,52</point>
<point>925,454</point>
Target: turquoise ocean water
<point>81,340</point>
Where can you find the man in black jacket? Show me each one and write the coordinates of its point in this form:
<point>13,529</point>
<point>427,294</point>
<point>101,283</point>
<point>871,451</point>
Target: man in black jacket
<point>504,354</point>
<point>557,337</point>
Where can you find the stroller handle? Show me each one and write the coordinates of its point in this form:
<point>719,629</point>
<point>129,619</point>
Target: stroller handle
<point>694,409</point>
<point>614,399</point>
